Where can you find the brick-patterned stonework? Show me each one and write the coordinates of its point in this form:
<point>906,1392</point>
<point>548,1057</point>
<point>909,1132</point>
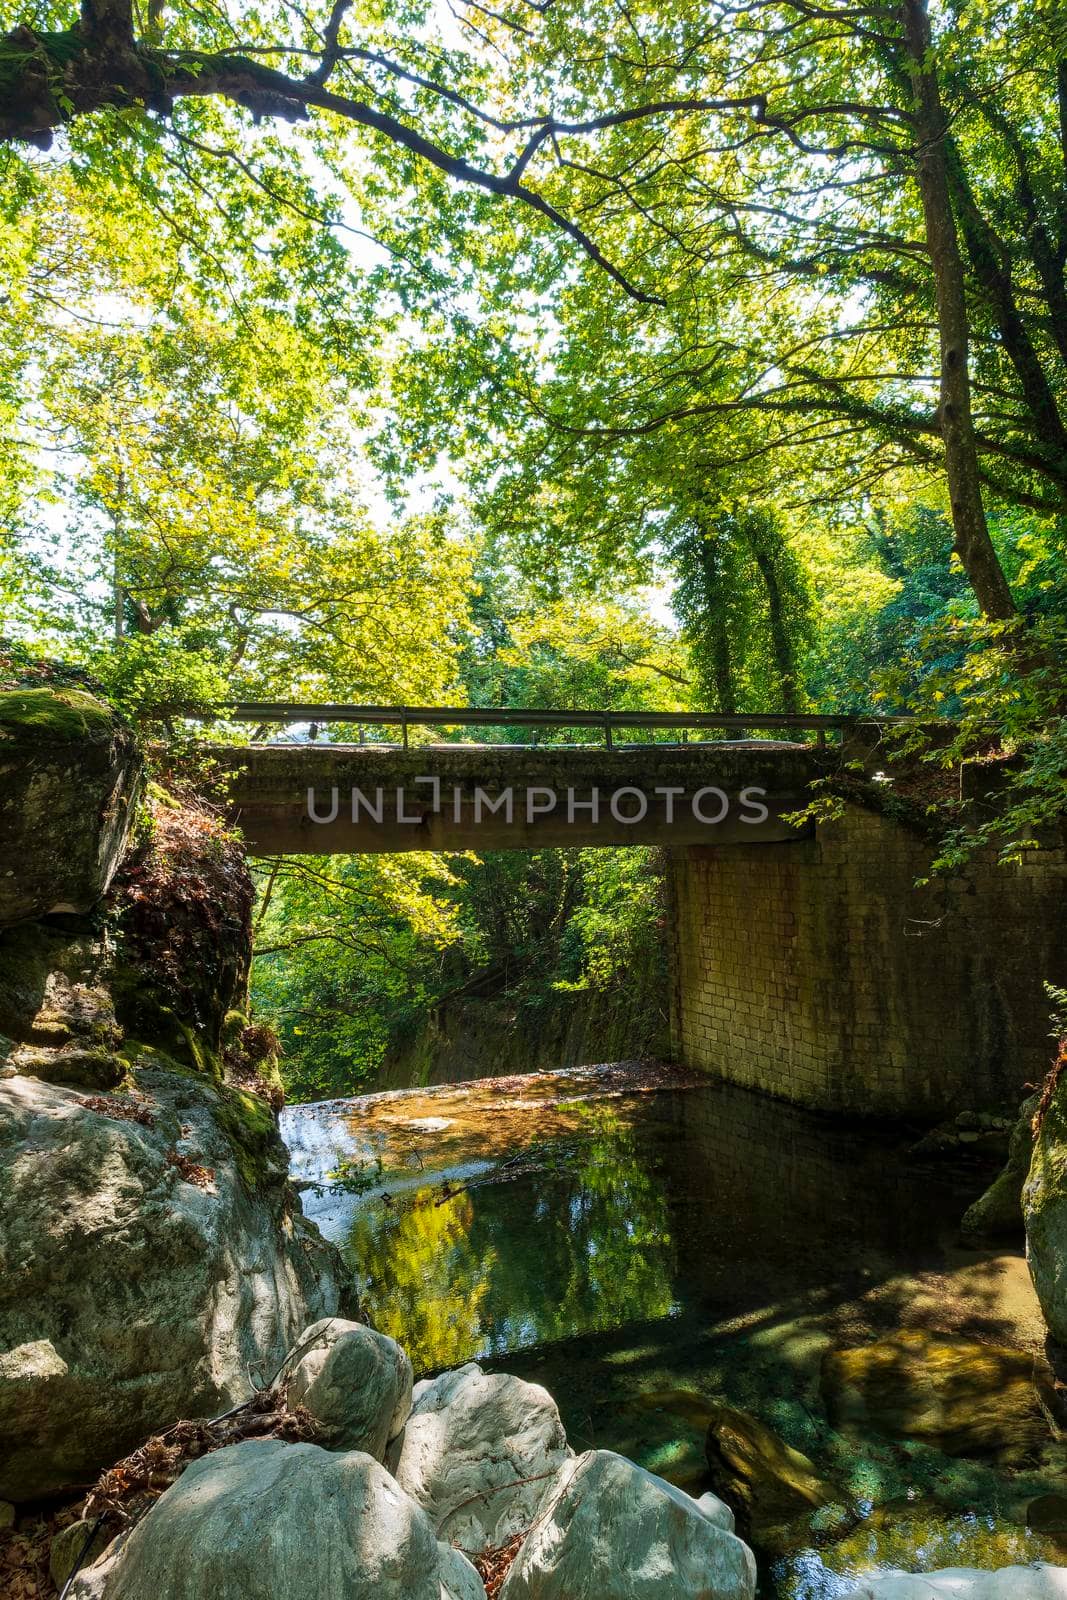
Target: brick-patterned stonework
<point>816,972</point>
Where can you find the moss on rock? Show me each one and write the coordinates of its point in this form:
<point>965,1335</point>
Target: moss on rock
<point>55,716</point>
<point>1044,1202</point>
<point>182,909</point>
<point>250,1127</point>
<point>998,1213</point>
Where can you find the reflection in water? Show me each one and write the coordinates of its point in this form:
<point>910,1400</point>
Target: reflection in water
<point>581,1245</point>
<point>422,1281</point>
<point>647,1255</point>
<point>911,1540</point>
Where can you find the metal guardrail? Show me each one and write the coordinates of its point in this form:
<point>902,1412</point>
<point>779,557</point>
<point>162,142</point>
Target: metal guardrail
<point>608,722</point>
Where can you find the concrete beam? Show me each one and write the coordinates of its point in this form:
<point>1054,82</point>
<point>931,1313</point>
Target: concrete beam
<point>329,799</point>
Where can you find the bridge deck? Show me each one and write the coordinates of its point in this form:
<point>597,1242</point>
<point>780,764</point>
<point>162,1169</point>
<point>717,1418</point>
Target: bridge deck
<point>323,798</point>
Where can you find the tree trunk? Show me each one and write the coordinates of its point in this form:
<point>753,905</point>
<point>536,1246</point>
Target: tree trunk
<point>972,541</point>
<point>781,644</point>
<point>715,626</point>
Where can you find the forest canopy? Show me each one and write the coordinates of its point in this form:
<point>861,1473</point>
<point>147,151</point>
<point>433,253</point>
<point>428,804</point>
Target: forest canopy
<point>691,355</point>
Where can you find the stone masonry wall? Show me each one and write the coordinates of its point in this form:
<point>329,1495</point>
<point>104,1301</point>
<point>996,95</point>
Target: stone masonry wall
<point>816,972</point>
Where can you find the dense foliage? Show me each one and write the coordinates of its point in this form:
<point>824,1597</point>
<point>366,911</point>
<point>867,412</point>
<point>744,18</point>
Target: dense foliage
<point>664,355</point>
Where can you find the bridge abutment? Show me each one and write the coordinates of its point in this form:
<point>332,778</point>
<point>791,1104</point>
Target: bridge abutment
<point>816,972</point>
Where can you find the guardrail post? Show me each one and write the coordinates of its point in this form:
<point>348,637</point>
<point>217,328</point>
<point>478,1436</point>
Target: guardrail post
<point>607,731</point>
<point>404,726</point>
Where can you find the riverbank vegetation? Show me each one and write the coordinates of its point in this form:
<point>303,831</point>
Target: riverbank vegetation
<point>705,358</point>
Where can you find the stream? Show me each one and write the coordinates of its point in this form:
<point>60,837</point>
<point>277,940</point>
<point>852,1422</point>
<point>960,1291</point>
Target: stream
<point>647,1244</point>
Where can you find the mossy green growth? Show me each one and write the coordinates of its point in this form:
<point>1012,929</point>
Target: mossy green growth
<point>233,1025</point>
<point>245,1120</point>
<point>249,1125</point>
<point>159,1029</point>
<point>54,716</point>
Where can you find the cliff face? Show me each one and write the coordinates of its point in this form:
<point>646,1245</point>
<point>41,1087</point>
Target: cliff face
<point>152,1251</point>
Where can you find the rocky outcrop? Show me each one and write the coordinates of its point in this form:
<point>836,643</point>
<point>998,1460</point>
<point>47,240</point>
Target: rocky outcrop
<point>1044,1203</point>
<point>459,1579</point>
<point>998,1214</point>
<point>487,1035</point>
<point>291,1521</point>
<point>963,1583</point>
<point>356,1384</point>
<point>69,777</point>
<point>963,1398</point>
<point>612,1530</point>
<point>75,1547</point>
<point>152,1252</point>
<point>142,1275</point>
<point>478,1454</point>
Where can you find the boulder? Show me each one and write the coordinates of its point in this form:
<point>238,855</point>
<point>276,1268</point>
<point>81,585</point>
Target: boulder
<point>70,774</point>
<point>288,1521</point>
<point>963,1398</point>
<point>356,1383</point>
<point>998,1214</point>
<point>91,1582</point>
<point>611,1531</point>
<point>1045,1212</point>
<point>765,1480</point>
<point>964,1583</point>
<point>716,1511</point>
<point>76,1544</point>
<point>150,1255</point>
<point>459,1579</point>
<point>478,1453</point>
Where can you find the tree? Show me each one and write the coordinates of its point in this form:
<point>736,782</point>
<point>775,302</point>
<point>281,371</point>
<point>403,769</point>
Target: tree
<point>743,603</point>
<point>805,204</point>
<point>215,538</point>
<point>863,276</point>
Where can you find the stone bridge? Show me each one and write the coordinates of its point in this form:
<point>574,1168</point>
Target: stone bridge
<point>329,799</point>
<point>804,962</point>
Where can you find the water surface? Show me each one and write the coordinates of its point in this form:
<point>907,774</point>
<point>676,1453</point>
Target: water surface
<point>646,1243</point>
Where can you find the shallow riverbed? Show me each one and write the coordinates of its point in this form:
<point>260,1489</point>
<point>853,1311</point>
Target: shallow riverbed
<point>646,1244</point>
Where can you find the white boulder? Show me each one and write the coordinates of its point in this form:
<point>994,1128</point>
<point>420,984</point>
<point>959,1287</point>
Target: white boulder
<point>288,1521</point>
<point>355,1382</point>
<point>129,1294</point>
<point>1038,1582</point>
<point>611,1531</point>
<point>716,1511</point>
<point>478,1453</point>
<point>459,1580</point>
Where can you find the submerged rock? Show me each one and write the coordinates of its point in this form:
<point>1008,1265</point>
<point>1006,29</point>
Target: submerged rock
<point>998,1214</point>
<point>143,1273</point>
<point>963,1583</point>
<point>1048,1514</point>
<point>963,1398</point>
<point>355,1382</point>
<point>478,1453</point>
<point>767,1482</point>
<point>288,1521</point>
<point>611,1531</point>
